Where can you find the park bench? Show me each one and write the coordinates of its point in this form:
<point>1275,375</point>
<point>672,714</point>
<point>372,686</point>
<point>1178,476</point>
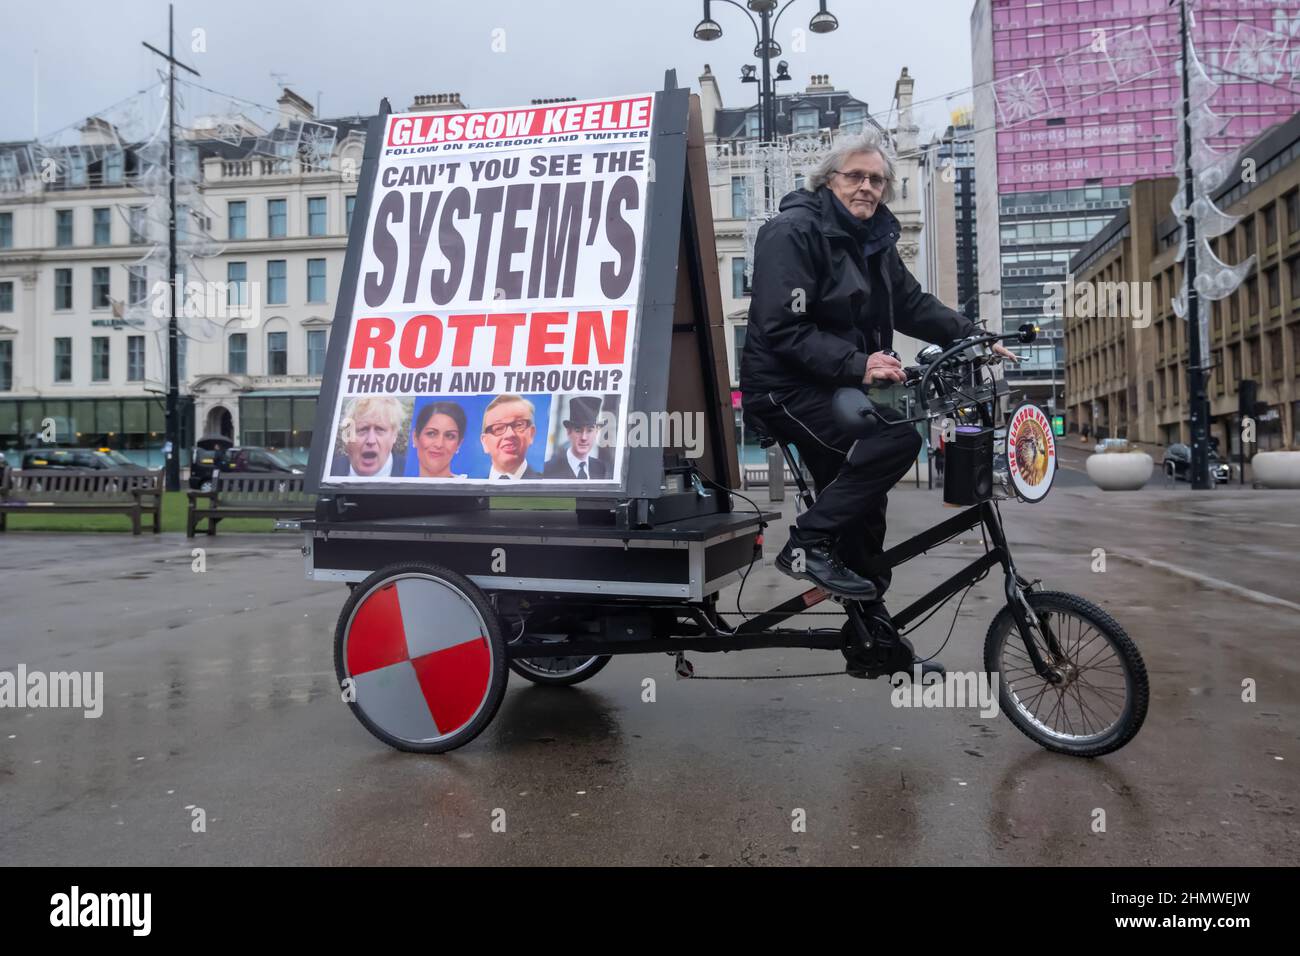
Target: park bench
<point>133,494</point>
<point>249,496</point>
<point>755,476</point>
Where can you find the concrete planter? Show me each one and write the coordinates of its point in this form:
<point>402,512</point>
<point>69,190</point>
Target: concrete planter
<point>1277,469</point>
<point>1120,471</point>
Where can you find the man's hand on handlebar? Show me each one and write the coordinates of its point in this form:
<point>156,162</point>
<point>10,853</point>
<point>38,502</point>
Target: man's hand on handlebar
<point>1002,351</point>
<point>883,368</point>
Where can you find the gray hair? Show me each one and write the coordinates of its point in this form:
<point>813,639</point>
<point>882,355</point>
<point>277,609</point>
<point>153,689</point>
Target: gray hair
<point>870,140</point>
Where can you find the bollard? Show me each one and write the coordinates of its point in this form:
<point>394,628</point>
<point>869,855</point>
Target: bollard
<point>775,474</point>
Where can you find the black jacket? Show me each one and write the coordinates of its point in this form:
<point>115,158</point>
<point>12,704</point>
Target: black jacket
<point>828,290</point>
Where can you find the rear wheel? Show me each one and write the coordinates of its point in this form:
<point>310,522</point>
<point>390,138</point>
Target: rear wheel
<point>558,671</point>
<point>1101,700</point>
<point>420,657</point>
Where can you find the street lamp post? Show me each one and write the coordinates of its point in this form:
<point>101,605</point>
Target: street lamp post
<point>1197,400</point>
<point>766,50</point>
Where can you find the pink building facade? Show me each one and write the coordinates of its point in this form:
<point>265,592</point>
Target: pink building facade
<point>1077,99</point>
<point>1088,89</point>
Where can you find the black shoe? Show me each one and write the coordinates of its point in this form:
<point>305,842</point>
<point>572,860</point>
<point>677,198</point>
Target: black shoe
<point>823,568</point>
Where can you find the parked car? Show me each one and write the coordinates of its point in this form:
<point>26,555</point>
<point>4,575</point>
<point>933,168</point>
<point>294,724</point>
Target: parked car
<point>248,459</point>
<point>78,459</point>
<point>1178,462</point>
<point>1111,443</point>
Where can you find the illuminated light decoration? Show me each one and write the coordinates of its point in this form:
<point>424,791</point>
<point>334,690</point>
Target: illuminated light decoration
<point>1021,97</point>
<point>1211,168</point>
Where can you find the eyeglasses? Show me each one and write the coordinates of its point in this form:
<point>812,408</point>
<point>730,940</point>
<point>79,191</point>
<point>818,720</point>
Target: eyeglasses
<point>518,426</point>
<point>856,178</point>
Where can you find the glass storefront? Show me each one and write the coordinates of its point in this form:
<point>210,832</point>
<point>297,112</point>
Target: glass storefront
<point>281,421</point>
<point>134,426</point>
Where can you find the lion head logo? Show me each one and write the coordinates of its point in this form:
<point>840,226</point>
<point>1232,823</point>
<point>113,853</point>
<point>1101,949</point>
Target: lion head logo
<point>1031,452</point>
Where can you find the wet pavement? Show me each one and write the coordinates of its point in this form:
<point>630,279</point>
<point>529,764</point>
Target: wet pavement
<point>220,695</point>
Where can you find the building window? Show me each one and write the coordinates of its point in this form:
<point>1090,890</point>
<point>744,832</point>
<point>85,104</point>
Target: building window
<point>236,283</point>
<point>6,230</point>
<point>113,167</point>
<point>63,227</point>
<point>1275,354</point>
<point>805,121</point>
<point>739,346</point>
<point>316,351</point>
<point>277,353</point>
<point>316,216</point>
<point>739,208</point>
<point>63,359</point>
<point>62,288</point>
<point>137,225</point>
<point>1270,224</point>
<point>1248,227</point>
<point>237,354</point>
<point>99,288</point>
<point>76,168</point>
<point>739,283</point>
<point>1274,288</point>
<point>851,117</point>
<point>351,205</point>
<point>137,289</point>
<point>135,358</point>
<point>6,296</point>
<point>751,125</point>
<point>315,280</point>
<point>1256,366</point>
<point>1252,299</point>
<point>277,221</point>
<point>276,286</point>
<point>237,219</point>
<point>103,227</point>
<point>6,365</point>
<point>99,358</point>
<point>1293,211</point>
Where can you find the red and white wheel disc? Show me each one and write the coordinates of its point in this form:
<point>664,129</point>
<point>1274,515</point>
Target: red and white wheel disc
<point>418,654</point>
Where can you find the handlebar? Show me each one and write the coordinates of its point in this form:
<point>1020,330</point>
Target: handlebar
<point>856,412</point>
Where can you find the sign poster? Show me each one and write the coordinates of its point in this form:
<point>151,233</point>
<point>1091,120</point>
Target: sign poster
<point>496,304</point>
<point>1031,452</point>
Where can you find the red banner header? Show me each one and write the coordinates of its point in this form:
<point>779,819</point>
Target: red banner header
<point>485,125</point>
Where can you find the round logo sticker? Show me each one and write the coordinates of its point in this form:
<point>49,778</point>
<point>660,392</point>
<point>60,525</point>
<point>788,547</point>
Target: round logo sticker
<point>1031,452</point>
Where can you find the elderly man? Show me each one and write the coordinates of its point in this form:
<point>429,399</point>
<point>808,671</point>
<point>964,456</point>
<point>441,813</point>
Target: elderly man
<point>370,429</point>
<point>509,427</point>
<point>829,290</point>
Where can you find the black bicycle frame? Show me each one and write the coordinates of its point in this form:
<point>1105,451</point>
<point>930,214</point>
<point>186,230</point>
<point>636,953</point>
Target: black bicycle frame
<point>707,632</point>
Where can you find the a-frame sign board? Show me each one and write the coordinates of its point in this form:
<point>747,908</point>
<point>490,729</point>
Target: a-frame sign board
<point>594,221</point>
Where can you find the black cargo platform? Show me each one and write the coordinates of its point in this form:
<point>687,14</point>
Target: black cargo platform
<point>545,551</point>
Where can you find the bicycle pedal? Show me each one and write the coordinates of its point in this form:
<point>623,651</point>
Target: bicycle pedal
<point>683,668</point>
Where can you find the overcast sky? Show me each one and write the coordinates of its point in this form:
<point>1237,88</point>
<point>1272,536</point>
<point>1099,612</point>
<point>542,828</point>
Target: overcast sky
<point>352,52</point>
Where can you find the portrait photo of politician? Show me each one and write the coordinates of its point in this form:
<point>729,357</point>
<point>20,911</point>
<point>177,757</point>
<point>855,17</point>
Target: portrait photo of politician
<point>371,438</point>
<point>437,436</point>
<point>509,427</point>
<point>577,459</point>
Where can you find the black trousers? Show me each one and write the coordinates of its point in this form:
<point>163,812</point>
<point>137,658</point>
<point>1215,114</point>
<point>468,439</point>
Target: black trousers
<point>851,476</point>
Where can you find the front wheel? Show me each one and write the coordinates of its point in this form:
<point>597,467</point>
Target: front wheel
<point>1101,701</point>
